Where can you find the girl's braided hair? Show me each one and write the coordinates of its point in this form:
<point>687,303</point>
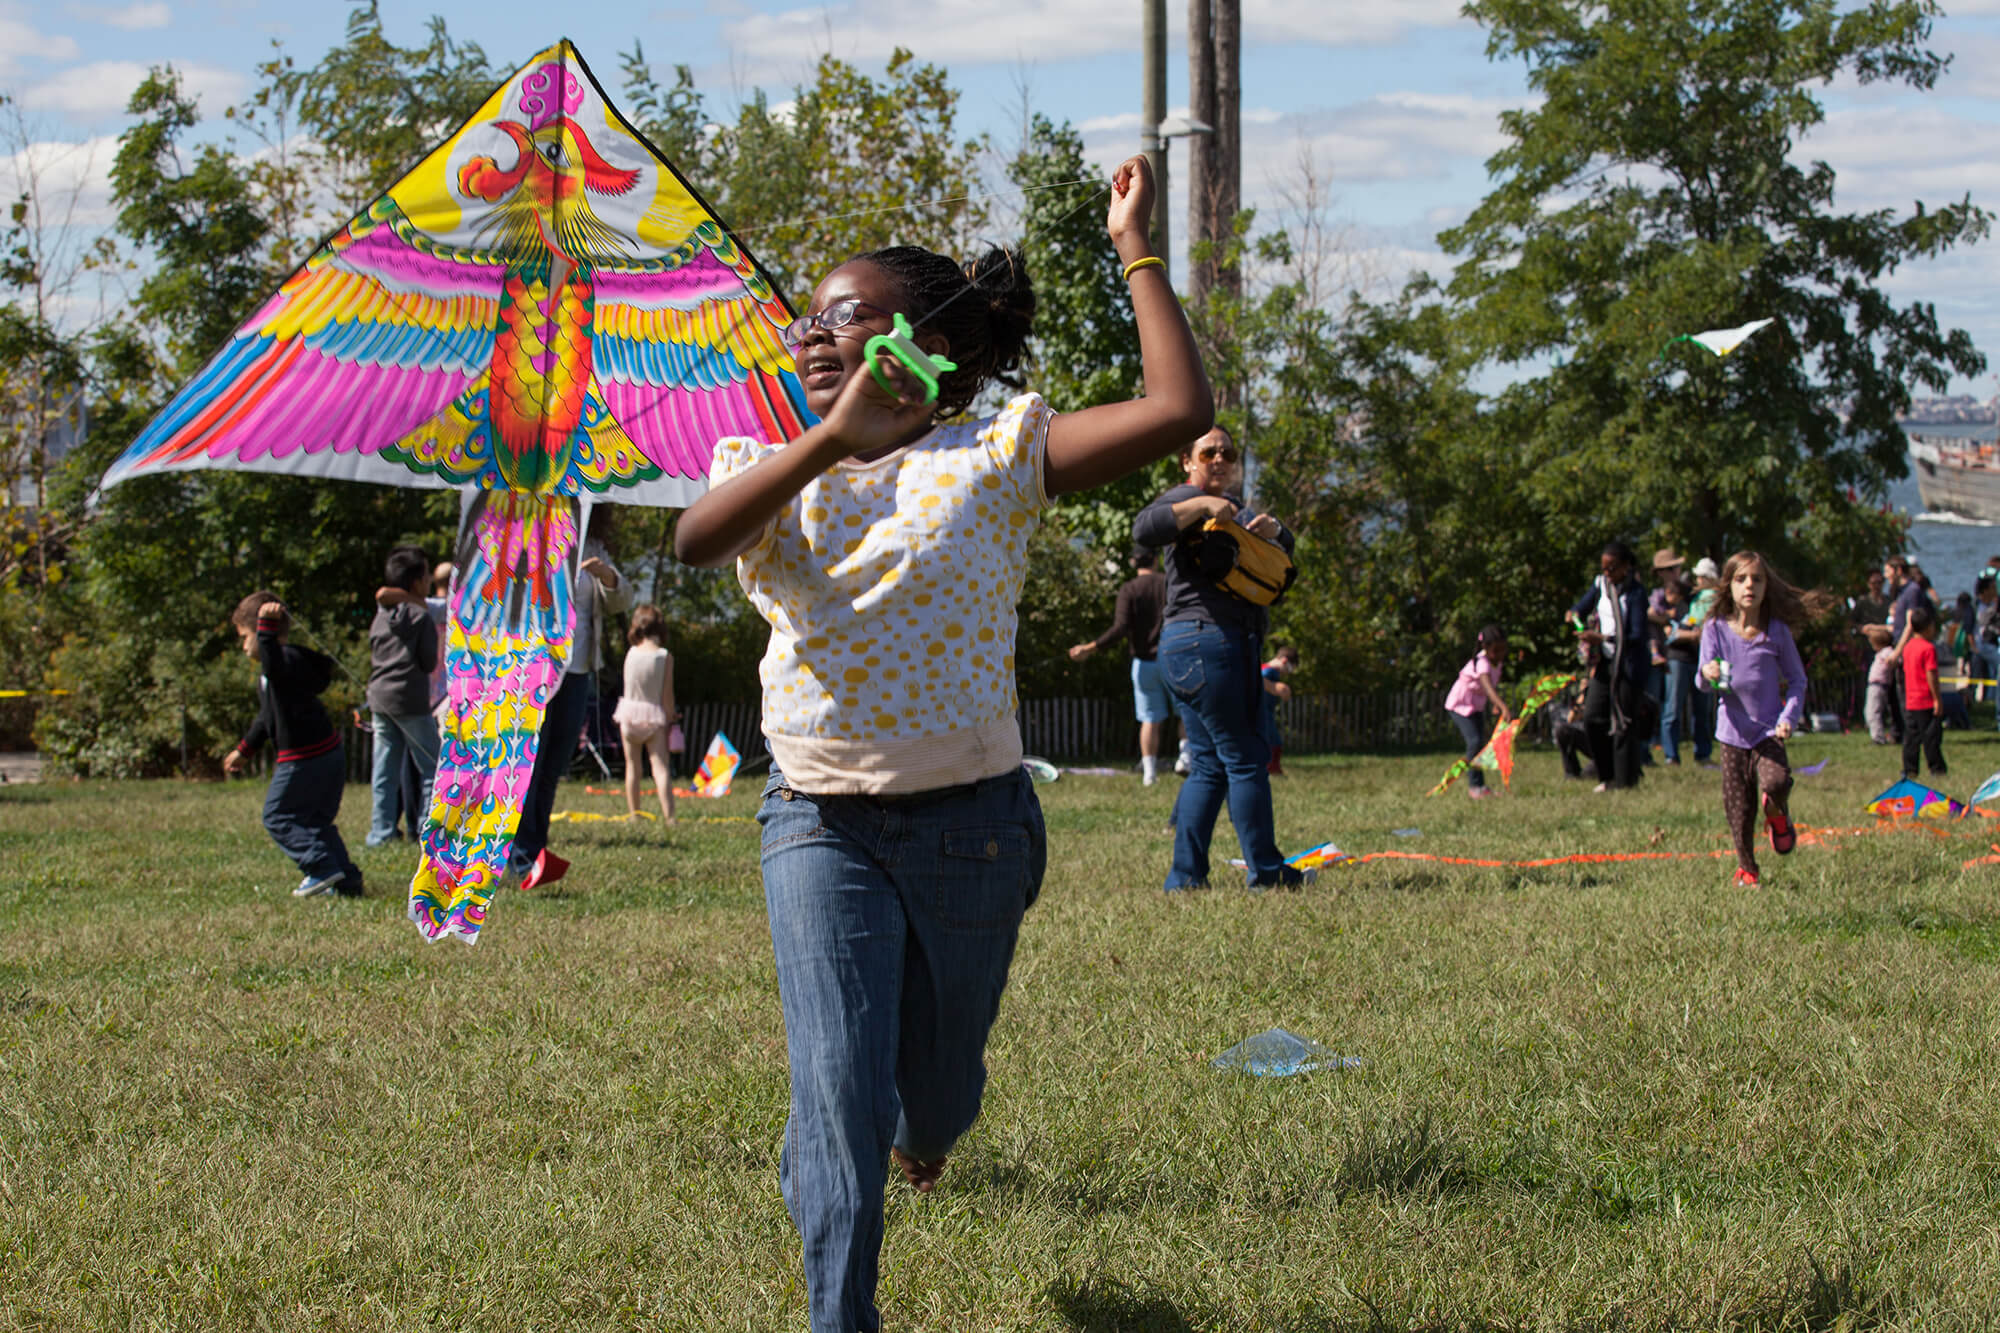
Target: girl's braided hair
<point>985,311</point>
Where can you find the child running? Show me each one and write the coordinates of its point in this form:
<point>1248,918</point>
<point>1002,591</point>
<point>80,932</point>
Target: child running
<point>1749,661</point>
<point>886,546</point>
<point>647,709</point>
<point>1477,687</point>
<point>304,798</point>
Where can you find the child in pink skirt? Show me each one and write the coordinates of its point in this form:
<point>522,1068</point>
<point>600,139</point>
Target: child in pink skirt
<point>646,710</point>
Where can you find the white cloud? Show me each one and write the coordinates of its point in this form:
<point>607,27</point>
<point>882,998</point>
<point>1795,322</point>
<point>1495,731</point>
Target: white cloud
<point>978,32</point>
<point>24,47</point>
<point>72,179</point>
<point>1396,136</point>
<point>1331,24</point>
<point>1886,157</point>
<point>137,17</point>
<point>103,87</point>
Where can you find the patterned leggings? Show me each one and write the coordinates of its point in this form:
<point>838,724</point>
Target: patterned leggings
<point>1743,772</point>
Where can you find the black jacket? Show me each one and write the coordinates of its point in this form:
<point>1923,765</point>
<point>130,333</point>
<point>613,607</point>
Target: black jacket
<point>289,713</point>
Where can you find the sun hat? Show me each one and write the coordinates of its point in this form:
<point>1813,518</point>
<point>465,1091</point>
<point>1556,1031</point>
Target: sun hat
<point>1704,568</point>
<point>1665,558</point>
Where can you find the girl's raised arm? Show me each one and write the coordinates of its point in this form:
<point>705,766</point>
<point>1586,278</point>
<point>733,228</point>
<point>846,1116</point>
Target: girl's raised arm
<point>1101,444</point>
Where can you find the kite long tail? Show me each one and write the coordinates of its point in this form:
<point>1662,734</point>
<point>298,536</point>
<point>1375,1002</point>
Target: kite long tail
<point>508,641</point>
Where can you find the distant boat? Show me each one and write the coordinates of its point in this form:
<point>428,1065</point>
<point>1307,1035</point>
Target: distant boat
<point>1958,476</point>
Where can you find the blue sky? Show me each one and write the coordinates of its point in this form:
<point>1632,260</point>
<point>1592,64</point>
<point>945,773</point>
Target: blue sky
<point>1392,105</point>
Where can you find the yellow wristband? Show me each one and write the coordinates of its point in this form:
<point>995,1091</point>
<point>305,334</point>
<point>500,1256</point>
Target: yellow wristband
<point>1150,261</point>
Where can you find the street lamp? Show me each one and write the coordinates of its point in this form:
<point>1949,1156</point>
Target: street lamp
<point>1153,142</point>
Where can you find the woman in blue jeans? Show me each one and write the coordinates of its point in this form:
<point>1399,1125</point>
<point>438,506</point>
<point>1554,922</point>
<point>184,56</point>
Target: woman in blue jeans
<point>1677,703</point>
<point>886,546</point>
<point>1211,658</point>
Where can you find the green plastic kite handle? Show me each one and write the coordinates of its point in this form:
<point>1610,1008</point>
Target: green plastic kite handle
<point>902,345</point>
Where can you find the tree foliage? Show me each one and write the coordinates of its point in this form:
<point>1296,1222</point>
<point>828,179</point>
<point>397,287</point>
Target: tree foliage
<point>1654,192</point>
<point>836,170</point>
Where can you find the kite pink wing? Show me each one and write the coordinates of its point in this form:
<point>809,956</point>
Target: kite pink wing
<point>691,356</point>
<point>369,340</point>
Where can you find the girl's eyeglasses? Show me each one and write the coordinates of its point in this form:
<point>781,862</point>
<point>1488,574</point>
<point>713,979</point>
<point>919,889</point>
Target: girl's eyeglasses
<point>836,316</point>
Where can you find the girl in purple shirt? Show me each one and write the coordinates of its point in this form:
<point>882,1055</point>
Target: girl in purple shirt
<point>1748,659</point>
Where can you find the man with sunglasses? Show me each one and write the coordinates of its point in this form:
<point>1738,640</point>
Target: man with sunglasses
<point>1210,655</point>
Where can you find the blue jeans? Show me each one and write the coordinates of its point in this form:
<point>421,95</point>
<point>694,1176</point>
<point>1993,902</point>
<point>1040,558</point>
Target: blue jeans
<point>1704,725</point>
<point>300,808</point>
<point>1215,674</point>
<point>562,727</point>
<point>893,922</point>
<point>1675,706</point>
<point>416,735</point>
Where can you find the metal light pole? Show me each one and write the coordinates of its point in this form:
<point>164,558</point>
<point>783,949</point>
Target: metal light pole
<point>1153,110</point>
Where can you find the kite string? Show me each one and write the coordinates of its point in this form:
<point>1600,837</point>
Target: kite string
<point>1090,197</point>
<point>911,207</point>
<point>406,302</point>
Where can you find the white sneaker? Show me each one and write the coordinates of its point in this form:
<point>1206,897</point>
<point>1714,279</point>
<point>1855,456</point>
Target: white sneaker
<point>1149,779</point>
<point>313,888</point>
<point>1182,767</point>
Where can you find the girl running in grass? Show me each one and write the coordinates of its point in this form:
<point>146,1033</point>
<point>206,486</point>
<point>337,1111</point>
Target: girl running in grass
<point>1751,664</point>
<point>886,546</point>
<point>1477,686</point>
<point>646,710</point>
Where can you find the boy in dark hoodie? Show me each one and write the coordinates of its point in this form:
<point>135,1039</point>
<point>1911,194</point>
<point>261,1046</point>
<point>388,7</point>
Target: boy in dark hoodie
<point>304,798</point>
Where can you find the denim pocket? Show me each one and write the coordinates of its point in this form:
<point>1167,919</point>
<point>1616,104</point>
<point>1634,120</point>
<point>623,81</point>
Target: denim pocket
<point>1184,675</point>
<point>787,816</point>
<point>986,877</point>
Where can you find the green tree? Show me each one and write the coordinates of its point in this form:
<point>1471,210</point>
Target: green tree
<point>674,119</point>
<point>193,210</point>
<point>374,109</point>
<point>167,557</point>
<point>1653,192</point>
<point>839,170</point>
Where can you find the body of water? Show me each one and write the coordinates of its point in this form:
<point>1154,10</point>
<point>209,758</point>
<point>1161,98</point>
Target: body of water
<point>1951,549</point>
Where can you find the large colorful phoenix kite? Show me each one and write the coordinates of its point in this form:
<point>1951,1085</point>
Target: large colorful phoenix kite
<point>542,312</point>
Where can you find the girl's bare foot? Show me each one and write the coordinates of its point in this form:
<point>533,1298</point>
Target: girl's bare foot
<point>923,1176</point>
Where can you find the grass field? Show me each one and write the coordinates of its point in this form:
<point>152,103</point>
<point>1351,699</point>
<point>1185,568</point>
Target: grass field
<point>1616,1095</point>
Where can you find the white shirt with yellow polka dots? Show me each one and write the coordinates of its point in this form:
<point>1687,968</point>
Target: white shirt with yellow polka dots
<point>890,588</point>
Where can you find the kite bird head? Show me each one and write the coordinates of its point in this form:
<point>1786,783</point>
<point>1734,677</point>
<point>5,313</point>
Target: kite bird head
<point>555,166</point>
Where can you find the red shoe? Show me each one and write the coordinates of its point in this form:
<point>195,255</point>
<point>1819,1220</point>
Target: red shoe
<point>1783,836</point>
<point>1746,879</point>
<point>547,869</point>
